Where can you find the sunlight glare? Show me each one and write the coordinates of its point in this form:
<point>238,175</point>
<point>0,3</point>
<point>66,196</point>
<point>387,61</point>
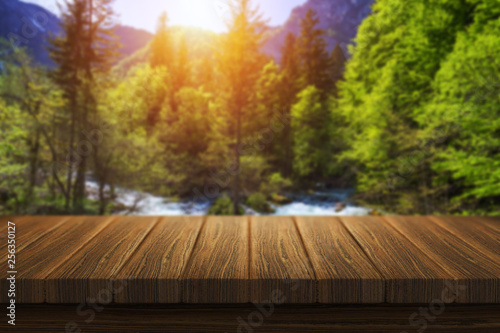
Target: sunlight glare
<point>206,14</point>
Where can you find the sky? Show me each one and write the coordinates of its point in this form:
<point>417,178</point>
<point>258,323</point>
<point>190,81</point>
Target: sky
<point>208,14</point>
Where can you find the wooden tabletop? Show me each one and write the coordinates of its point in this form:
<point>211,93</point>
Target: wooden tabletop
<point>230,260</point>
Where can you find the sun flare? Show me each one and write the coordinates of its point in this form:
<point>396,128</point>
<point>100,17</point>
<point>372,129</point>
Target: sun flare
<point>200,13</point>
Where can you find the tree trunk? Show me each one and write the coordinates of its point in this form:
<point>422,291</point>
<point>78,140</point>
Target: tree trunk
<point>69,177</point>
<point>35,148</point>
<point>236,187</point>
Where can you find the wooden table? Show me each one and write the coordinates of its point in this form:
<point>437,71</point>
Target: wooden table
<point>308,268</point>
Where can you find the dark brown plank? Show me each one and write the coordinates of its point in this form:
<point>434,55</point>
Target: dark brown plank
<point>88,273</point>
<point>280,271</point>
<point>411,277</point>
<point>481,236</point>
<point>343,272</point>
<point>31,228</point>
<point>218,269</point>
<point>249,318</point>
<point>3,225</point>
<point>477,274</point>
<point>152,274</point>
<point>38,259</point>
<point>27,230</point>
<point>492,222</point>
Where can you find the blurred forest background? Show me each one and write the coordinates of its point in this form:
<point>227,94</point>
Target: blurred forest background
<point>408,114</point>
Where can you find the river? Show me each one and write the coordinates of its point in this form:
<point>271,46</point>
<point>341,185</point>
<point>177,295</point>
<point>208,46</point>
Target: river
<point>317,203</point>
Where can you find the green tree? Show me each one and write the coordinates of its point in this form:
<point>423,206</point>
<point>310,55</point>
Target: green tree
<point>465,111</point>
<point>86,49</point>
<point>311,132</point>
<point>162,50</point>
<point>240,63</point>
<point>183,66</point>
<point>28,95</point>
<point>288,89</point>
<point>337,65</point>
<point>314,57</point>
<point>392,81</point>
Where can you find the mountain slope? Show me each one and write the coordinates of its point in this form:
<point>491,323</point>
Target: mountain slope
<point>29,25</point>
<point>339,18</point>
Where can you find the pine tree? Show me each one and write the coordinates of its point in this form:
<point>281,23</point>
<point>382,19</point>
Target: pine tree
<point>162,51</point>
<point>337,66</point>
<point>182,66</point>
<point>311,121</point>
<point>314,57</point>
<point>289,88</point>
<point>241,62</point>
<point>86,48</point>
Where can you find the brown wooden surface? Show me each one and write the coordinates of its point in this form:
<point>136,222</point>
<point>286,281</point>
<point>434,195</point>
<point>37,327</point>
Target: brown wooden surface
<point>199,260</point>
<point>492,222</point>
<point>52,243</point>
<point>86,273</point>
<point>343,272</point>
<point>475,271</point>
<point>410,276</point>
<point>218,269</point>
<point>474,232</point>
<point>152,274</point>
<point>249,318</point>
<point>280,270</point>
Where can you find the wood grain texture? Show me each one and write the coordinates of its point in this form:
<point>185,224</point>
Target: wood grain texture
<point>472,231</point>
<point>410,276</point>
<point>280,270</point>
<point>476,274</point>
<point>246,319</point>
<point>37,260</point>
<point>153,260</point>
<point>218,268</point>
<point>28,229</point>
<point>343,272</point>
<point>87,274</point>
<point>492,222</point>
<point>152,274</point>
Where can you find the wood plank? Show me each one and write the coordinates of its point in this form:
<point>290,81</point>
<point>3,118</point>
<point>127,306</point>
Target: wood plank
<point>411,277</point>
<point>280,271</point>
<point>249,318</point>
<point>483,237</point>
<point>87,274</point>
<point>31,228</point>
<point>218,269</point>
<point>28,230</point>
<point>152,274</point>
<point>344,272</point>
<point>3,225</point>
<point>37,260</point>
<point>492,222</point>
<point>479,275</point>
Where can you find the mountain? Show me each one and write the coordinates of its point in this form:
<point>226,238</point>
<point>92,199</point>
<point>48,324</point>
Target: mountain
<point>132,39</point>
<point>339,18</point>
<point>29,25</point>
<point>200,43</point>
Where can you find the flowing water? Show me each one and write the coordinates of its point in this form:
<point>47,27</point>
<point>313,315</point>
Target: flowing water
<point>317,203</point>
